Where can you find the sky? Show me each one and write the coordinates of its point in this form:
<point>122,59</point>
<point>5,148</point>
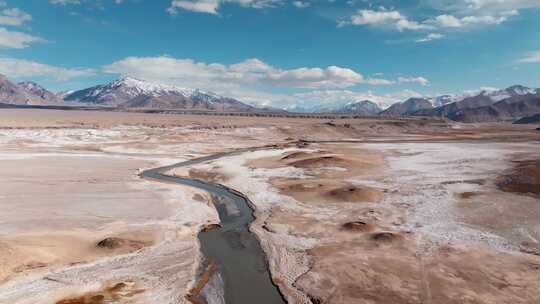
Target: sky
<point>276,52</point>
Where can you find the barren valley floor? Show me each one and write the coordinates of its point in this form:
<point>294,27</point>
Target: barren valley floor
<point>347,211</point>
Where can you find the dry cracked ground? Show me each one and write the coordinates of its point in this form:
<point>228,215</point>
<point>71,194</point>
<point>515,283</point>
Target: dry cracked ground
<point>347,211</point>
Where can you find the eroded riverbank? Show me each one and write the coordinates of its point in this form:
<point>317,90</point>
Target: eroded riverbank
<point>235,266</point>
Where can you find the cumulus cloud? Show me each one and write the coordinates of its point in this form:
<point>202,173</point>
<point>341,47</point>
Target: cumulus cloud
<point>14,17</point>
<point>78,2</point>
<point>431,37</point>
<point>212,6</point>
<point>251,72</point>
<point>450,21</point>
<point>385,18</point>
<point>533,57</point>
<point>64,2</point>
<point>20,68</point>
<point>500,4</point>
<point>392,19</point>
<point>419,80</point>
<point>16,40</point>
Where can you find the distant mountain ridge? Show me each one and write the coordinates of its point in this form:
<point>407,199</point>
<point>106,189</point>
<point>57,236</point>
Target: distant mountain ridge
<point>129,92</point>
<point>363,107</point>
<point>408,107</point>
<point>24,93</point>
<point>510,104</point>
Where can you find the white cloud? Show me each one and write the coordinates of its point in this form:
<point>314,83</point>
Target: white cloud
<point>201,6</point>
<point>78,2</point>
<point>20,68</point>
<point>251,72</point>
<point>533,57</point>
<point>65,2</point>
<point>16,40</point>
<point>419,80</point>
<point>364,17</point>
<point>385,18</point>
<point>501,4</point>
<point>431,37</point>
<point>212,6</point>
<point>450,21</point>
<point>392,19</point>
<point>405,24</point>
<point>481,7</point>
<point>13,17</point>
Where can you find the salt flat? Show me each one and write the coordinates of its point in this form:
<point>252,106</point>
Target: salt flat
<point>401,211</point>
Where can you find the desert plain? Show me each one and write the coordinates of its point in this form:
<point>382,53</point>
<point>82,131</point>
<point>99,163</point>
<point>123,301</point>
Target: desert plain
<point>364,210</point>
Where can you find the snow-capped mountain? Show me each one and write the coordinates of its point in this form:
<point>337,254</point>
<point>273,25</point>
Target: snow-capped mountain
<point>363,107</point>
<point>489,105</point>
<point>444,99</point>
<point>494,95</point>
<point>134,93</point>
<point>408,107</point>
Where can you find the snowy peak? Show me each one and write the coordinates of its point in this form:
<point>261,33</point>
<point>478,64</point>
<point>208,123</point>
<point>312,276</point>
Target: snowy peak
<point>516,90</point>
<point>363,107</point>
<point>486,94</point>
<point>443,99</point>
<point>137,86</point>
<point>408,107</point>
<point>519,90</point>
<point>132,92</point>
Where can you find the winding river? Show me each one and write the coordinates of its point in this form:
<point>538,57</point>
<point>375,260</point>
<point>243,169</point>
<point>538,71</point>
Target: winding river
<point>233,249</point>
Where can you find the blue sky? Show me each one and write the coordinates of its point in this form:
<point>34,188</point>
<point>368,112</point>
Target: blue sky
<point>276,51</point>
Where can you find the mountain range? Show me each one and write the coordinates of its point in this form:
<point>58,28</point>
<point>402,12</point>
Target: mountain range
<point>494,105</point>
<point>508,104</point>
<point>134,93</point>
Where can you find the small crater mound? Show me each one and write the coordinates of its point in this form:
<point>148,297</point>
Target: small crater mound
<point>296,155</point>
<point>119,243</point>
<point>318,162</point>
<point>525,178</point>
<point>111,294</point>
<point>468,195</point>
<point>385,237</point>
<point>301,187</point>
<point>355,194</point>
<point>357,226</point>
<point>199,197</point>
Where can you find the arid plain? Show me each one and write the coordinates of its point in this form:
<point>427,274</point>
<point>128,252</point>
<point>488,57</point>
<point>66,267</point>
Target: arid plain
<point>347,210</point>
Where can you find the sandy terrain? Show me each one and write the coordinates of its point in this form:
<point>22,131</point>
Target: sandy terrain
<point>388,223</point>
<point>408,211</point>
